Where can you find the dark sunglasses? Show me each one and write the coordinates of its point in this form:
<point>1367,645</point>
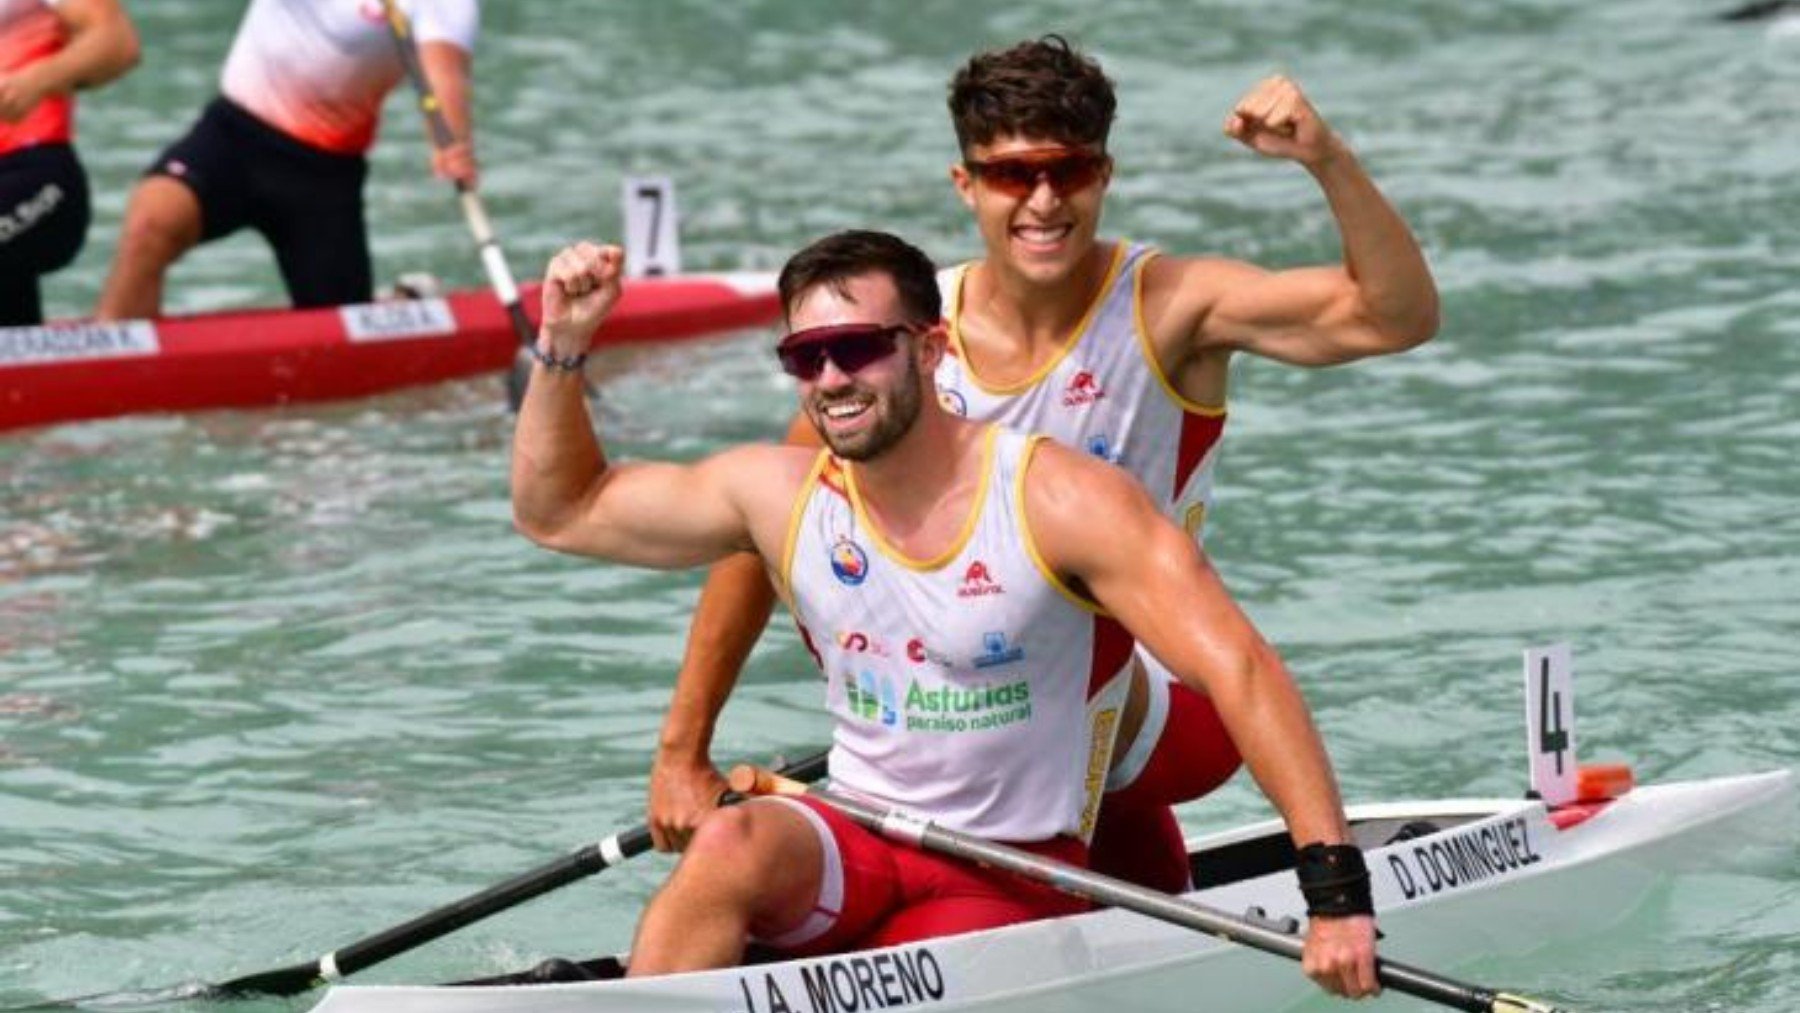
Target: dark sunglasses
<point>1017,175</point>
<point>850,346</point>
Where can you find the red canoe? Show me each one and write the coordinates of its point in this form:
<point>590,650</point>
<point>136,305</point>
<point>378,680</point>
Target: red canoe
<point>252,359</point>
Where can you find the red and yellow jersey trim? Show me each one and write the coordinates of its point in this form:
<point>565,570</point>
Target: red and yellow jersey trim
<point>958,349</point>
<point>957,544</point>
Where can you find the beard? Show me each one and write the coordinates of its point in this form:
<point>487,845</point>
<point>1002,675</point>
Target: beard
<point>895,414</point>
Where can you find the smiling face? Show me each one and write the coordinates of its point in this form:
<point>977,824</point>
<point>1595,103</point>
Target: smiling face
<point>861,414</point>
<point>1045,235</point>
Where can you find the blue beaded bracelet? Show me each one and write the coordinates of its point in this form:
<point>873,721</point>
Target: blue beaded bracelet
<point>572,364</point>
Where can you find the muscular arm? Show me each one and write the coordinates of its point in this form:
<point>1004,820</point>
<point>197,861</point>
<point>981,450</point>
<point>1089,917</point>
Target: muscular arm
<point>1380,299</point>
<point>1095,525</point>
<point>565,494</point>
<point>1166,593</point>
<point>102,46</point>
<point>734,607</point>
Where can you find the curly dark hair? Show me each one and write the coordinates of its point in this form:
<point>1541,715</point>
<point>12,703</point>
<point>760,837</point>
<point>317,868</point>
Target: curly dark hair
<point>1040,88</point>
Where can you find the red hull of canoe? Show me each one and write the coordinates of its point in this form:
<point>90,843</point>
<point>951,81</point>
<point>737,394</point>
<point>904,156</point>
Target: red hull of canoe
<point>260,358</point>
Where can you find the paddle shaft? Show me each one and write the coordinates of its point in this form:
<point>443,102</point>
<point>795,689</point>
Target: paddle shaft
<point>442,921</point>
<point>297,978</point>
<point>493,259</point>
<point>1106,890</point>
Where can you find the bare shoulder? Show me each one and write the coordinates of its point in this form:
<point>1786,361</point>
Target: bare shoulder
<point>1087,517</point>
<point>758,468</point>
<point>1067,488</point>
<point>1180,292</point>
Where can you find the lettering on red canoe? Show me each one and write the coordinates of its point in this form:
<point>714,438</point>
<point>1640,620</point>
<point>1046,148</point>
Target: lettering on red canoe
<point>401,318</point>
<point>21,346</point>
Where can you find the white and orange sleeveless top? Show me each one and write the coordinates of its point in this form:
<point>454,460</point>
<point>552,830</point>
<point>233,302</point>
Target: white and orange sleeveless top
<point>318,70</point>
<point>30,31</point>
<point>973,689</point>
<point>1103,393</point>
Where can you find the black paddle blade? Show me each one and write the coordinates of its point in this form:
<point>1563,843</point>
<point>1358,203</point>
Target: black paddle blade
<point>280,982</point>
<point>291,980</point>
<point>1761,10</point>
<point>367,952</point>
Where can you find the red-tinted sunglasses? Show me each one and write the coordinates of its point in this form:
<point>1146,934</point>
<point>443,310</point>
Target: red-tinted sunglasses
<point>1017,175</point>
<point>850,346</point>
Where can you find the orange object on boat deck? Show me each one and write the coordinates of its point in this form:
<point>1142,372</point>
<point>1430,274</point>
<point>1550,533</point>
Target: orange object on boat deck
<point>1602,782</point>
<point>1596,786</point>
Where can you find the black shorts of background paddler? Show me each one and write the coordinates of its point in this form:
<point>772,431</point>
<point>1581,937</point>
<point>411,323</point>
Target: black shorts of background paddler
<point>44,217</point>
<point>305,201</point>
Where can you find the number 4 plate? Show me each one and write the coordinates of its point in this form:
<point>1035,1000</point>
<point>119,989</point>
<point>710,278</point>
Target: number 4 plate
<point>1550,722</point>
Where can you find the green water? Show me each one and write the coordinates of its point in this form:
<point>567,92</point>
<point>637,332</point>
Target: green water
<point>271,681</point>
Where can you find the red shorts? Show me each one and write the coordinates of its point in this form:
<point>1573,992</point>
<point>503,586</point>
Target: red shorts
<point>1137,837</point>
<point>877,892</point>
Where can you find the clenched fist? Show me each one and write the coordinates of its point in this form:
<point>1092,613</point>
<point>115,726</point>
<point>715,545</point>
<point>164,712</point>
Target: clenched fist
<point>1275,119</point>
<point>580,287</point>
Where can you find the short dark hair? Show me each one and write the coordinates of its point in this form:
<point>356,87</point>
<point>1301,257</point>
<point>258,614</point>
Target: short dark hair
<point>1039,88</point>
<point>839,257</point>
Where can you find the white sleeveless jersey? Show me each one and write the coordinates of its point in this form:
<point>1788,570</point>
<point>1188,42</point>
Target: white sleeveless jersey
<point>318,70</point>
<point>973,689</point>
<point>1103,393</point>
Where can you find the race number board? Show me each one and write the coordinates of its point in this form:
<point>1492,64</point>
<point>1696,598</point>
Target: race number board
<point>652,248</point>
<point>1550,723</point>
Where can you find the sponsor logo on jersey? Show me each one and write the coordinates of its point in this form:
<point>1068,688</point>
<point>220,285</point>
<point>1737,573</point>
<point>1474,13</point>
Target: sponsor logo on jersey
<point>996,651</point>
<point>919,653</point>
<point>1100,740</point>
<point>872,697</point>
<point>849,563</point>
<point>1083,389</point>
<point>953,402</point>
<point>978,583</point>
<point>1102,447</point>
<point>858,642</point>
<point>926,705</point>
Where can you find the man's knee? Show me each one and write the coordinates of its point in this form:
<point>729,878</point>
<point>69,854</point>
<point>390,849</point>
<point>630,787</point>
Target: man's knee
<point>750,844</point>
<point>162,221</point>
<point>724,832</point>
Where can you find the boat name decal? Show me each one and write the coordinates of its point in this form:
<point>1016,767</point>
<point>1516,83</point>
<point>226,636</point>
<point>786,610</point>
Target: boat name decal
<point>854,983</point>
<point>1455,860</point>
<point>401,318</point>
<point>75,342</point>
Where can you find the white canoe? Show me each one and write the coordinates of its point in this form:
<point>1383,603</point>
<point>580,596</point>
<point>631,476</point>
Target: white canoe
<point>1494,877</point>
